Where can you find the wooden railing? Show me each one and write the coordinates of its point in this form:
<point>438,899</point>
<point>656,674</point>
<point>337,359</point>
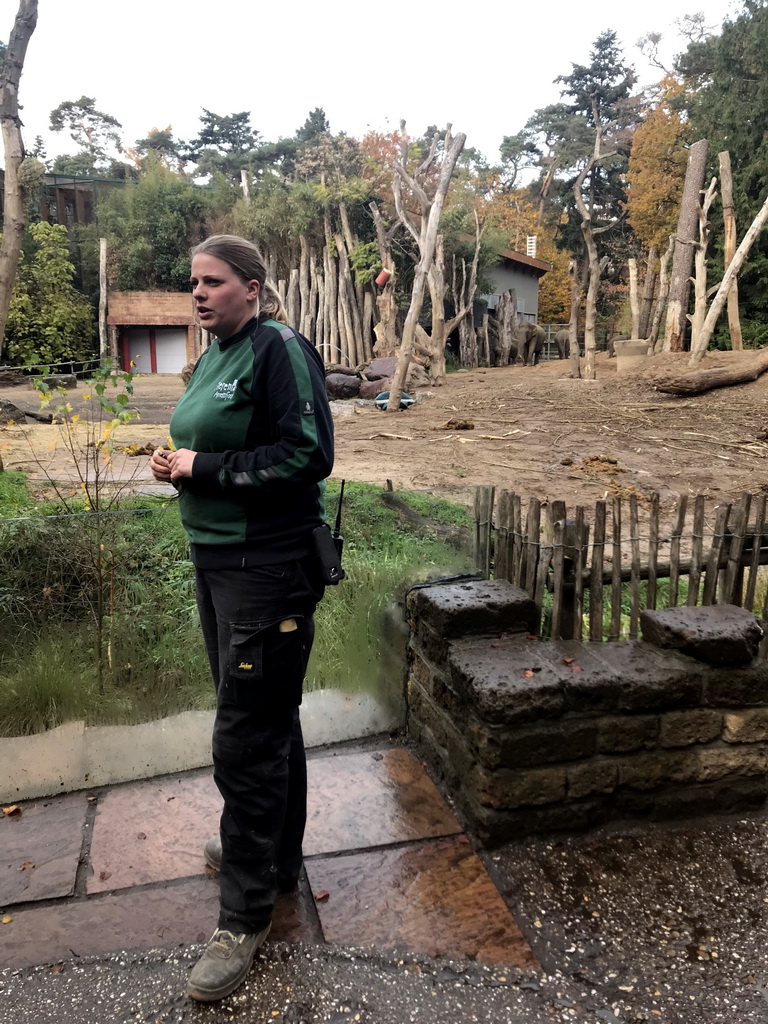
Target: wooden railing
<point>592,570</point>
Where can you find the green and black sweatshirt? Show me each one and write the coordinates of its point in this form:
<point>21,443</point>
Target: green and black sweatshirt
<point>257,414</point>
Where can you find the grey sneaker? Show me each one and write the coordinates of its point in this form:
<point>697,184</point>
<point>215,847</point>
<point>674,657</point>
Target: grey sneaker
<point>212,854</point>
<point>224,965</point>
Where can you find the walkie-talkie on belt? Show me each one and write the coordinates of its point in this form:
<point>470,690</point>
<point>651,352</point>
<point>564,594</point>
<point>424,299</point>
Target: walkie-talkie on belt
<point>329,547</point>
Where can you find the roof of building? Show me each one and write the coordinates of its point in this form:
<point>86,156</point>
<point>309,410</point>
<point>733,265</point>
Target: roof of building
<point>529,261</point>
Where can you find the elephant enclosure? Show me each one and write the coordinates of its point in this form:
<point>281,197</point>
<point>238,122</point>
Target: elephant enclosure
<point>536,432</point>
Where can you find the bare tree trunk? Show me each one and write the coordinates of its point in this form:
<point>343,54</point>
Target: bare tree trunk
<point>303,316</point>
<point>331,297</point>
<point>687,224</point>
<point>427,242</point>
<point>634,302</point>
<point>506,319</point>
<point>386,329</point>
<point>347,296</point>
<point>346,334</point>
<point>573,323</point>
<point>729,277</point>
<point>648,288</point>
<point>483,342</point>
<point>700,280</point>
<point>311,323</point>
<point>13,148</point>
<point>467,332</point>
<point>292,307</point>
<point>661,298</point>
<point>367,324</point>
<point>319,338</point>
<point>103,340</point>
<point>589,232</point>
<point>729,218</point>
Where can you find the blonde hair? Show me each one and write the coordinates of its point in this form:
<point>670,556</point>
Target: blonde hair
<point>247,262</point>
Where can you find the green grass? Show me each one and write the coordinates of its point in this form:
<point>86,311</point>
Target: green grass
<point>60,576</point>
<point>15,498</point>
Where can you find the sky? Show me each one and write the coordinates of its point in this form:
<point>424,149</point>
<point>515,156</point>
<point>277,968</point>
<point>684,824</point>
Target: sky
<point>154,63</point>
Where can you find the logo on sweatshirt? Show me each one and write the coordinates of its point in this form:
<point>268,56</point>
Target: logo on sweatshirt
<point>225,390</point>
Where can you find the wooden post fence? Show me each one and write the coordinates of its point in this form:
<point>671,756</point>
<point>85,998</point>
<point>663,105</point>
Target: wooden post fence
<point>629,554</point>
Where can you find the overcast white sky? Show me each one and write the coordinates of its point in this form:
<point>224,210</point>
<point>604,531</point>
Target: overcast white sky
<point>484,67</point>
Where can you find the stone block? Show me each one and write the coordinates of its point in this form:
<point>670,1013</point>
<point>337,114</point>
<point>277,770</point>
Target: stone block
<point>622,734</point>
<point>498,826</point>
<point>528,746</point>
<point>429,645</point>
<point>506,682</point>
<point>652,680</point>
<point>472,608</point>
<point>735,686</point>
<point>421,673</point>
<point>590,685</point>
<point>727,797</point>
<point>592,777</point>
<point>722,634</point>
<point>746,726</point>
<point>517,789</point>
<point>657,768</point>
<point>684,728</point>
<point>443,726</point>
<point>719,762</point>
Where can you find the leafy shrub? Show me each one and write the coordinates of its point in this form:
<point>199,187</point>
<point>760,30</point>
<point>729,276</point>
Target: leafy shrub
<point>49,321</point>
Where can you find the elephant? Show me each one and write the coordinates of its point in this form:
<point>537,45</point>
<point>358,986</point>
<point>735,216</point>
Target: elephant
<point>563,343</point>
<point>530,340</point>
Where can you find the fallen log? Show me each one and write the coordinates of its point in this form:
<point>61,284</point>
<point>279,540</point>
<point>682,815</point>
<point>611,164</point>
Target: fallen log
<point>698,381</point>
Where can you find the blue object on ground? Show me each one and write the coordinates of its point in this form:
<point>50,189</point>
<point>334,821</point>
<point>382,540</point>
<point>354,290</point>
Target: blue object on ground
<point>382,399</point>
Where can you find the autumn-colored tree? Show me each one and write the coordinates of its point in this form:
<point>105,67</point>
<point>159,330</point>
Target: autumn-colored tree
<point>657,169</point>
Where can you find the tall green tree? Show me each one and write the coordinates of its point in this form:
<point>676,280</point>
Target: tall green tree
<point>93,130</point>
<point>150,226</point>
<point>224,145</point>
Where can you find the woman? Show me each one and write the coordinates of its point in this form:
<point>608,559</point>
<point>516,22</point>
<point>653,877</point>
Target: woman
<point>254,442</point>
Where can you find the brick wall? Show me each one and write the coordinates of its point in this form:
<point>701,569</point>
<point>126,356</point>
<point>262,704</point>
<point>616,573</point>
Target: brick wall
<point>150,309</point>
<point>535,736</point>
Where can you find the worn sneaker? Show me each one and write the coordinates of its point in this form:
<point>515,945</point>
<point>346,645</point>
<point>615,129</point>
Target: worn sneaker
<point>224,965</point>
<point>212,854</point>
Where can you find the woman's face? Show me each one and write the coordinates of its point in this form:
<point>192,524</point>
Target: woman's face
<point>223,301</point>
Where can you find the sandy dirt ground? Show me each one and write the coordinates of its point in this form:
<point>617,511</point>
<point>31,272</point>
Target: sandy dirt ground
<point>534,430</point>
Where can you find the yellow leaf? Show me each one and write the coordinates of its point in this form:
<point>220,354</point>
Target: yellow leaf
<point>7,919</point>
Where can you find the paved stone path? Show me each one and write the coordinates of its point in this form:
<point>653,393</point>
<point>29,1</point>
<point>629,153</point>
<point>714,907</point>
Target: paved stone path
<point>121,868</point>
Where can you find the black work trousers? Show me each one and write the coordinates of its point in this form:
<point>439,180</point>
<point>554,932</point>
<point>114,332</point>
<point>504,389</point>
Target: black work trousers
<point>258,628</point>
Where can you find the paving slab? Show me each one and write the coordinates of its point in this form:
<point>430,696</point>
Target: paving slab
<point>152,831</point>
<point>143,918</point>
<point>40,849</point>
<point>430,897</point>
<point>370,799</point>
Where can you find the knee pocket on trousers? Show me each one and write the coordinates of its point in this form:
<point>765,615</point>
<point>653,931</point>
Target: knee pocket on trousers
<point>266,661</point>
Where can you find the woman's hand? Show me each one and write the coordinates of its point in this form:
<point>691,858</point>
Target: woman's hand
<point>180,463</point>
<point>159,465</point>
